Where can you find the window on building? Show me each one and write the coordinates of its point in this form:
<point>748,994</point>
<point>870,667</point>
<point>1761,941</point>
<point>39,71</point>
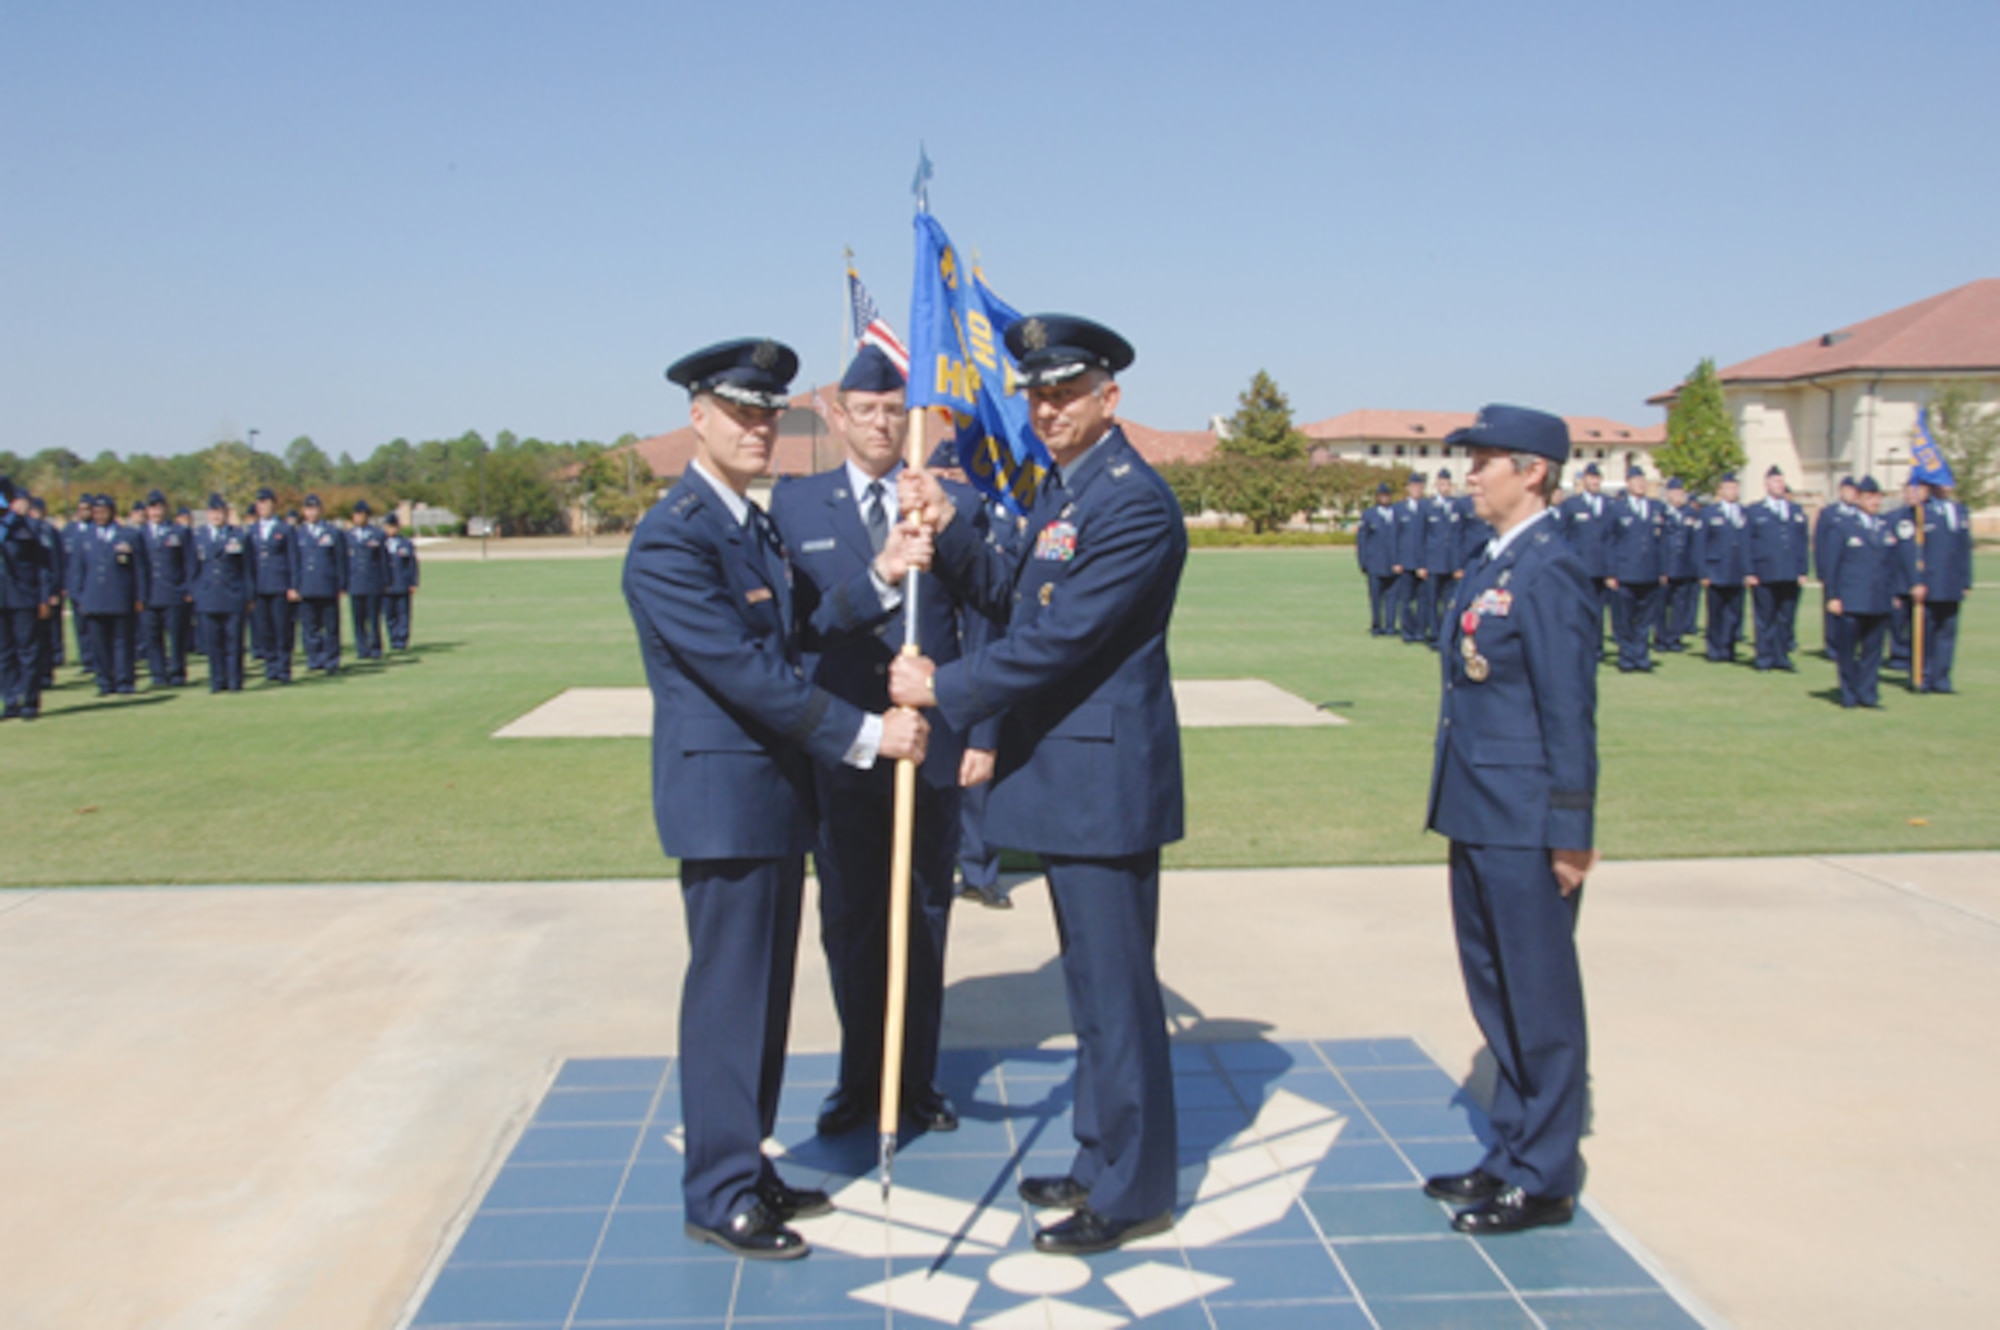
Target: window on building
<point>1399,450</point>
<point>1423,450</point>
<point>1374,450</point>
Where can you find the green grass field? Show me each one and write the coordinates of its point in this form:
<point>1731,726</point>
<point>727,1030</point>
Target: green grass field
<point>387,772</point>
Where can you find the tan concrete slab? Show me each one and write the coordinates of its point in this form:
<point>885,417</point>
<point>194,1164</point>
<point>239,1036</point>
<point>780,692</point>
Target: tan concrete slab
<point>254,1107</point>
<point>612,713</point>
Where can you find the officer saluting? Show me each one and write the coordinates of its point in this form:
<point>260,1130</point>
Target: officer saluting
<point>1514,787</point>
<point>736,730</point>
<point>1089,772</point>
<point>221,586</point>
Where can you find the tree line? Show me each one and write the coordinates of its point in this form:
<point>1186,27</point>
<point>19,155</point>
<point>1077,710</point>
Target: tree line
<point>526,485</point>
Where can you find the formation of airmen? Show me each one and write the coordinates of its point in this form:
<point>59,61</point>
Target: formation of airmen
<point>1666,570</point>
<point>163,587</point>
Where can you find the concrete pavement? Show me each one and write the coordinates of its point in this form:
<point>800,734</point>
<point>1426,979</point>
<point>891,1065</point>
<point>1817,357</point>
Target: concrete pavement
<point>254,1107</point>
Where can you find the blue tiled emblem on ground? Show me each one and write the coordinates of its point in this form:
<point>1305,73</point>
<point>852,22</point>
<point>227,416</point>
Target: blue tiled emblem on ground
<point>1300,1206</point>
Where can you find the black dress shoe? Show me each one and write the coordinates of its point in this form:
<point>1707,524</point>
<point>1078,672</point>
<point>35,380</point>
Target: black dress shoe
<point>843,1112</point>
<point>1513,1211</point>
<point>1063,1193</point>
<point>1464,1188</point>
<point>790,1203</point>
<point>1086,1232</point>
<point>933,1112</point>
<point>755,1233</point>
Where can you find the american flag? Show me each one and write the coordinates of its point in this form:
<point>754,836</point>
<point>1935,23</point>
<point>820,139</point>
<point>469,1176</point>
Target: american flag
<point>870,328</point>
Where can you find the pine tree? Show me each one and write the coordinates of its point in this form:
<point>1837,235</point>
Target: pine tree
<point>1701,438</point>
<point>1262,425</point>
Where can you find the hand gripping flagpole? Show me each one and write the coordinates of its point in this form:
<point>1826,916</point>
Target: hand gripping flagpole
<point>900,855</point>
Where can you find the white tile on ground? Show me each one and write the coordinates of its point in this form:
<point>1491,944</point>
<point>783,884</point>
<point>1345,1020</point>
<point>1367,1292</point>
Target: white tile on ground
<point>1154,1287</point>
<point>910,1207</point>
<point>871,1239</point>
<point>1050,1314</point>
<point>941,1297</point>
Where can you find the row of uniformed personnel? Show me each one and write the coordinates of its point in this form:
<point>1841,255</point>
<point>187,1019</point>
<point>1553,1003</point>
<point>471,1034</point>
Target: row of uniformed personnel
<point>1652,562</point>
<point>169,588</point>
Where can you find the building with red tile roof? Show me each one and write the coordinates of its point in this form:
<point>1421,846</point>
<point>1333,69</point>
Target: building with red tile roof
<point>1415,440</point>
<point>1846,402</point>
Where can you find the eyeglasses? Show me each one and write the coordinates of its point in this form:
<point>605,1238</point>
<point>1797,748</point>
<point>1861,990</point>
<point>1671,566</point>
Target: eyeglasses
<point>874,411</point>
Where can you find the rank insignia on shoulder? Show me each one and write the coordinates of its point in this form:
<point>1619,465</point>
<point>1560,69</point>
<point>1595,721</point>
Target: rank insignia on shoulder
<point>757,595</point>
<point>1068,508</point>
<point>1121,468</point>
<point>1047,593</point>
<point>1056,543</point>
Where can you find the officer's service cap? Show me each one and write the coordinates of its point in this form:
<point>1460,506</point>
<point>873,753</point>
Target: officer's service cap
<point>312,501</point>
<point>35,504</point>
<point>184,511</point>
<point>1444,473</point>
<point>217,503</point>
<point>1775,470</point>
<point>292,514</point>
<point>1726,478</point>
<point>1382,488</point>
<point>1634,472</point>
<point>1516,429</point>
<point>390,519</point>
<point>750,371</point>
<point>1674,483</point>
<point>1414,478</point>
<point>1847,482</point>
<point>156,497</point>
<point>1593,470</point>
<point>1051,348</point>
<point>944,456</point>
<point>871,371</point>
<point>267,493</point>
<point>1867,485</point>
<point>361,506</point>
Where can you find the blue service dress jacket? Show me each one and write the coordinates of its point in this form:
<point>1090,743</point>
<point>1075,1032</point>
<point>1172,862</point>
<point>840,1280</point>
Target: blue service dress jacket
<point>1407,550</point>
<point>367,551</point>
<point>1441,518</point>
<point>737,725</point>
<point>1516,751</point>
<point>401,553</point>
<point>1944,562</point>
<point>112,571</point>
<point>167,571</point>
<point>221,582</point>
<point>1780,545</point>
<point>1585,521</point>
<point>270,556</point>
<point>319,563</point>
<point>1864,568</point>
<point>27,579</point>
<point>849,638</point>
<point>1637,542</point>
<point>1375,541</point>
<point>1090,756</point>
<point>1681,525</point>
<point>1722,545</point>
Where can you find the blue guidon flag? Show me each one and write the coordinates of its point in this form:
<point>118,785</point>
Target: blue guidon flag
<point>959,363</point>
<point>1930,468</point>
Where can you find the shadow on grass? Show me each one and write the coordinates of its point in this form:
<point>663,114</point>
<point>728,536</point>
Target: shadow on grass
<point>114,703</point>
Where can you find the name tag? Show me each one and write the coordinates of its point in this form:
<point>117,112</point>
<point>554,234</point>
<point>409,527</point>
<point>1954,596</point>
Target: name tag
<point>815,546</point>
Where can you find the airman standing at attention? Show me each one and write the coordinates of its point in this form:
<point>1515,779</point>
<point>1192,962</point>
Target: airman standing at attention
<point>1636,557</point>
<point>1864,574</point>
<point>319,577</point>
<point>1677,611</point>
<point>737,728</point>
<point>1089,773</point>
<point>113,594</point>
<point>270,539</point>
<point>25,580</point>
<point>1939,574</point>
<point>1375,550</point>
<point>1584,524</point>
<point>221,586</point>
<point>167,622</point>
<point>404,575</point>
<point>1405,609</point>
<point>1441,564</point>
<point>1722,553</point>
<point>1903,521</point>
<point>1514,786</point>
<point>367,579</point>
<point>1779,559</point>
<point>1826,533</point>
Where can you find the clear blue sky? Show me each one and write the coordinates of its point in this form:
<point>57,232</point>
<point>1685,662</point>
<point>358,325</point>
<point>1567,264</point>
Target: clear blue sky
<point>361,220</point>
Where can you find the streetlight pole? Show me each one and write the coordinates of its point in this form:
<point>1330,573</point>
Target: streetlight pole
<point>485,519</point>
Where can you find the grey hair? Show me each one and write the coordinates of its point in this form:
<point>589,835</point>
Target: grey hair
<point>1551,480</point>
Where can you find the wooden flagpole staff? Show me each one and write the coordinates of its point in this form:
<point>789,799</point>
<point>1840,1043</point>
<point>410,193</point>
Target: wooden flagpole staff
<point>900,859</point>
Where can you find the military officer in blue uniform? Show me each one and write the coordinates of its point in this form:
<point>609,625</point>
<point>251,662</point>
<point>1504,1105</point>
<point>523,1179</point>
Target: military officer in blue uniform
<point>270,539</point>
<point>978,857</point>
<point>25,579</point>
<point>404,575</point>
<point>737,727</point>
<point>113,593</point>
<point>319,579</point>
<point>57,557</point>
<point>367,580</point>
<point>1826,531</point>
<point>1584,524</point>
<point>1938,572</point>
<point>1779,558</point>
<point>1679,606</point>
<point>1864,574</point>
<point>221,588</point>
<point>1903,521</point>
<point>1514,786</point>
<point>1407,561</point>
<point>1722,554</point>
<point>1375,550</point>
<point>1439,569</point>
<point>1089,771</point>
<point>841,528</point>
<point>166,622</point>
<point>1636,558</point>
<point>80,525</point>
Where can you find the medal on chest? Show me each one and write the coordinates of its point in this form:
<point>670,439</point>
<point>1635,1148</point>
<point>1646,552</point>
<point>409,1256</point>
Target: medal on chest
<point>1057,542</point>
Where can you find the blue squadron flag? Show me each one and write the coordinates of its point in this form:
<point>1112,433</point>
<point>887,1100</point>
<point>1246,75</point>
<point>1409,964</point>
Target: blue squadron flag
<point>959,363</point>
<point>1930,468</point>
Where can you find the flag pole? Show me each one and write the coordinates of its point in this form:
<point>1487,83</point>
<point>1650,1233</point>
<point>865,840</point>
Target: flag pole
<point>900,856</point>
<point>1917,612</point>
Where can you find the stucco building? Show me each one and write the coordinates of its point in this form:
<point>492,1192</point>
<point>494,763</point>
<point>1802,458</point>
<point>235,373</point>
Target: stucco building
<point>1415,441</point>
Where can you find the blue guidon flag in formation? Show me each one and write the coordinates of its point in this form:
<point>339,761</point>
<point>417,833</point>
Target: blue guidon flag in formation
<point>870,328</point>
<point>959,363</point>
<point>1930,468</point>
